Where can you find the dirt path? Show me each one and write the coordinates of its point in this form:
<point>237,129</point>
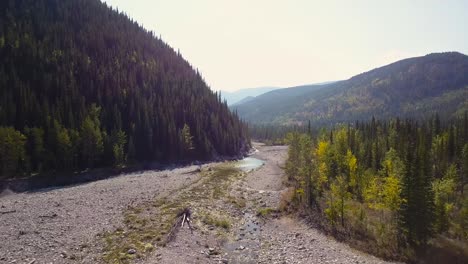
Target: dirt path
<point>124,218</point>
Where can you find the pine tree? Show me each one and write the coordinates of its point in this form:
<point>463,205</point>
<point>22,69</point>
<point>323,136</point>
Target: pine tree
<point>91,137</point>
<point>118,139</point>
<point>35,147</point>
<point>291,169</point>
<point>443,198</point>
<point>306,168</point>
<point>464,170</point>
<point>12,151</point>
<point>187,141</point>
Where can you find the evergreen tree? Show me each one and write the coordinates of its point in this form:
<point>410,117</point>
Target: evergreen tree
<point>91,137</point>
<point>443,198</point>
<point>35,147</point>
<point>12,151</point>
<point>118,139</point>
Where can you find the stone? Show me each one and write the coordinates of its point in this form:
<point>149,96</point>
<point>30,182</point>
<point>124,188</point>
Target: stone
<point>212,251</point>
<point>131,251</point>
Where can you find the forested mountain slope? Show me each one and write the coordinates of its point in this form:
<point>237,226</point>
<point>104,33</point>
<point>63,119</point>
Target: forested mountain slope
<point>415,87</point>
<point>82,85</point>
<point>272,107</point>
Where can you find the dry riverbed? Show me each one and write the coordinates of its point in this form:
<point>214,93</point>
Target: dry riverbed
<point>62,225</point>
<point>127,219</point>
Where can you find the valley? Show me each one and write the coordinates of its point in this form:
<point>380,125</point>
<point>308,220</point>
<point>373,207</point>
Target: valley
<point>202,132</point>
<point>234,220</point>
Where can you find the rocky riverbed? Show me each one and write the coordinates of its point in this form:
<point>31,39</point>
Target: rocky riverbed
<point>62,225</point>
<point>122,219</point>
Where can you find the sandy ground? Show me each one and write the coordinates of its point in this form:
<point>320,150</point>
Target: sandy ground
<point>63,225</point>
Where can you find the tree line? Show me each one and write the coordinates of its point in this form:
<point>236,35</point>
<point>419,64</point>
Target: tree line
<point>396,183</point>
<point>271,134</point>
<point>82,86</point>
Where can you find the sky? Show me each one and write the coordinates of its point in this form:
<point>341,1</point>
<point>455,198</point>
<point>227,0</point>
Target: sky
<point>238,44</point>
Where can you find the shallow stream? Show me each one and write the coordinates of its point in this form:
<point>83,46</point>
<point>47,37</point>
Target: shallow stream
<point>248,164</point>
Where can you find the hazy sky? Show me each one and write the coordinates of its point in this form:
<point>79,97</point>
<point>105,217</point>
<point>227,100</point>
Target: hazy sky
<point>250,43</point>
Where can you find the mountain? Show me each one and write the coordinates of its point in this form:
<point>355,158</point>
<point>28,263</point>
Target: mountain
<point>415,87</point>
<point>245,100</point>
<point>273,104</point>
<point>236,96</point>
<point>82,85</point>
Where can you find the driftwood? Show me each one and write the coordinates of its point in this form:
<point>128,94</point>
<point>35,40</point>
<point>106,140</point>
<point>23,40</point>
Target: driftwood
<point>183,217</point>
<point>53,215</point>
<point>7,212</point>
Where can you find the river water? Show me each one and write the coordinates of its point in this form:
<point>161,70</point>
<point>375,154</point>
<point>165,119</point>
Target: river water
<point>249,164</point>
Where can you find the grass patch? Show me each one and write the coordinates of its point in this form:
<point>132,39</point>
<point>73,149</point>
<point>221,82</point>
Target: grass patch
<point>217,221</point>
<point>140,234</point>
<point>147,225</point>
<point>238,202</point>
<point>265,212</point>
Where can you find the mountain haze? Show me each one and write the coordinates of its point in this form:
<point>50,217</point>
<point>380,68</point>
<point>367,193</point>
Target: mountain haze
<point>414,87</point>
<point>237,96</point>
<point>274,103</point>
<point>245,100</point>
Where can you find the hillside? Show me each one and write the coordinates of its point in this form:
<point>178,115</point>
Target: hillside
<point>238,96</point>
<point>82,85</point>
<point>245,100</point>
<point>414,87</point>
<point>271,106</point>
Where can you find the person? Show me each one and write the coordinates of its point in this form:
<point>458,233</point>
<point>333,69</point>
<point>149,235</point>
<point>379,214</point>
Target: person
<point>187,214</point>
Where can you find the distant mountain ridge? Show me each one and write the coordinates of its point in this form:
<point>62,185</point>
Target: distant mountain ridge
<point>244,95</point>
<point>245,100</point>
<point>414,87</point>
<point>236,97</point>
